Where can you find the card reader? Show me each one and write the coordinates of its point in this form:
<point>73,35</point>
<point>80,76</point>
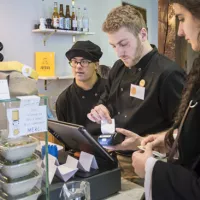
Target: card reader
<point>111,139</point>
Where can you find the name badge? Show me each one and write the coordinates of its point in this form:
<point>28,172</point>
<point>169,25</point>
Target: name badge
<point>137,91</point>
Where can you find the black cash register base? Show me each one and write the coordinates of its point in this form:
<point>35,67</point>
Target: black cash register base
<point>103,182</point>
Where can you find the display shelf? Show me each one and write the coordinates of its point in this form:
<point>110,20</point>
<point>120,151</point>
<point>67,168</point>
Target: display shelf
<point>44,98</point>
<point>55,77</point>
<point>48,32</point>
<point>5,130</point>
<point>62,32</point>
<point>51,78</point>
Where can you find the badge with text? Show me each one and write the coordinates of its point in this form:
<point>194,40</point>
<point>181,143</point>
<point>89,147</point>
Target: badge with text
<point>137,91</point>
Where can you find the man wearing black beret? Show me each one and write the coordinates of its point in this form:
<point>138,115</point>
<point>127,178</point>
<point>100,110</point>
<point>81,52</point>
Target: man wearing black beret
<point>76,101</point>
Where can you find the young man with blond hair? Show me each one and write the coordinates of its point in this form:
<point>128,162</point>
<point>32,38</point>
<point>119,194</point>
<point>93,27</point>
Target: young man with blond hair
<point>144,87</point>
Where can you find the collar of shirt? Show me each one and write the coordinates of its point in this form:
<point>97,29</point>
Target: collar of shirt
<point>145,60</point>
<point>84,92</point>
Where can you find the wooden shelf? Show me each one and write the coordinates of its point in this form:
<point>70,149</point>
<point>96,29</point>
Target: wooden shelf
<point>48,32</point>
<point>50,78</point>
<point>55,77</point>
<point>65,32</point>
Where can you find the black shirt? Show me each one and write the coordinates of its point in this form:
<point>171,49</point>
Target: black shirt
<point>189,141</point>
<point>74,104</point>
<point>172,181</point>
<point>164,81</point>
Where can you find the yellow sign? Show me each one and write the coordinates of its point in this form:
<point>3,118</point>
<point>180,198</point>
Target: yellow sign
<point>45,63</point>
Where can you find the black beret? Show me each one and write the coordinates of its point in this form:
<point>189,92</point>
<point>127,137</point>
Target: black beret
<point>85,49</point>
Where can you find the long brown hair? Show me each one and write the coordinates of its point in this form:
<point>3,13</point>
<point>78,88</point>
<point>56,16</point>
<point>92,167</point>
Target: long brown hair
<point>193,79</point>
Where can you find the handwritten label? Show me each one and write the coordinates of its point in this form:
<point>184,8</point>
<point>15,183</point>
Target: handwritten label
<point>27,120</point>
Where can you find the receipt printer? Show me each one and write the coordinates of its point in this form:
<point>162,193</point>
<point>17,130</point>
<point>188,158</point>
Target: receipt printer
<point>111,139</point>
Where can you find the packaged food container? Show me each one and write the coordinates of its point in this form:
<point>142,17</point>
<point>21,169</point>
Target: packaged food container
<point>18,149</point>
<point>20,168</point>
<point>20,162</point>
<point>31,195</point>
<point>21,185</point>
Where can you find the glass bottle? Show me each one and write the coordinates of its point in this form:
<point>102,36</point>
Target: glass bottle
<point>74,20</point>
<point>68,19</point>
<point>79,20</point>
<point>55,16</point>
<point>61,17</point>
<point>85,20</point>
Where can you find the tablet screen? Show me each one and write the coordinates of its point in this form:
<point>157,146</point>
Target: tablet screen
<point>77,138</point>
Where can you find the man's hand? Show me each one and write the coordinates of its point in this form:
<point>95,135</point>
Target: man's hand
<point>99,113</point>
<point>132,140</point>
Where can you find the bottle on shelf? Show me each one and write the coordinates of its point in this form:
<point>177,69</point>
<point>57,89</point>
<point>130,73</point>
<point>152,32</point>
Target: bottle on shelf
<point>79,20</point>
<point>74,19</point>
<point>68,19</point>
<point>85,20</point>
<point>61,17</point>
<point>55,16</point>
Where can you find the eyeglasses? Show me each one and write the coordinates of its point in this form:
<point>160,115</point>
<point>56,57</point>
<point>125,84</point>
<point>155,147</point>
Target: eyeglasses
<point>83,63</point>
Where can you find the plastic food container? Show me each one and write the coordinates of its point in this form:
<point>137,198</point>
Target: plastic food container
<point>18,149</point>
<point>31,195</point>
<point>20,168</point>
<point>21,185</point>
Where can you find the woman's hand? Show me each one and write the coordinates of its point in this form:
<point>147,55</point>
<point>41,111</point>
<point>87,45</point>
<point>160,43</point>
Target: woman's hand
<point>157,141</point>
<point>139,159</point>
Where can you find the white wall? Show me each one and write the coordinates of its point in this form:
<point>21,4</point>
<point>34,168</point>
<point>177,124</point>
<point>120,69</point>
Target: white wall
<point>152,17</point>
<point>17,19</point>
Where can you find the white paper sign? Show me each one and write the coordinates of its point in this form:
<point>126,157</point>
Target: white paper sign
<point>4,91</point>
<point>53,162</point>
<point>52,171</point>
<point>51,159</point>
<point>29,101</point>
<point>137,91</point>
<point>65,173</point>
<point>87,161</point>
<point>28,120</point>
<point>107,128</point>
<point>71,162</point>
<point>67,170</point>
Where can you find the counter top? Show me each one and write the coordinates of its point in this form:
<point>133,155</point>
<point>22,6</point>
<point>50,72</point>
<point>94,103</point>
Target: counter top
<point>129,191</point>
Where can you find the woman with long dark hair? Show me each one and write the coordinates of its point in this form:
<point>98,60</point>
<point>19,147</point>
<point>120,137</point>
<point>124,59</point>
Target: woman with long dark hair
<point>179,178</point>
